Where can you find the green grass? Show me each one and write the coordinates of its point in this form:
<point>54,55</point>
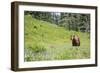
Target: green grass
<point>46,41</point>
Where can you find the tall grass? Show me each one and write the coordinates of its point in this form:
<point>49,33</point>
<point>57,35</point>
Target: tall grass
<point>46,41</point>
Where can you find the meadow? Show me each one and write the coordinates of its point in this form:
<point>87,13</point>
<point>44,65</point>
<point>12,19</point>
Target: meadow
<point>47,41</point>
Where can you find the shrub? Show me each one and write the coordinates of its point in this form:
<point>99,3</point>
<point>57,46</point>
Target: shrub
<point>37,48</point>
<point>28,58</point>
<point>35,27</point>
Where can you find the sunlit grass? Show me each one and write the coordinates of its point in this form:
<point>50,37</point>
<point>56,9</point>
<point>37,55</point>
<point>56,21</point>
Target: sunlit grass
<point>46,41</point>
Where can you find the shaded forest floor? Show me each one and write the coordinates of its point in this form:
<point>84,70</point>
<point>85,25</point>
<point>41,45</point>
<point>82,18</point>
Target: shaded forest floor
<point>46,41</point>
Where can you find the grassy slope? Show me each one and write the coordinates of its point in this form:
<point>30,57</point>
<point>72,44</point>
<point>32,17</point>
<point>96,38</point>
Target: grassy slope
<point>46,41</point>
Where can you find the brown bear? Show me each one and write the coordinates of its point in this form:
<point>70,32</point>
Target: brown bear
<point>75,40</point>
